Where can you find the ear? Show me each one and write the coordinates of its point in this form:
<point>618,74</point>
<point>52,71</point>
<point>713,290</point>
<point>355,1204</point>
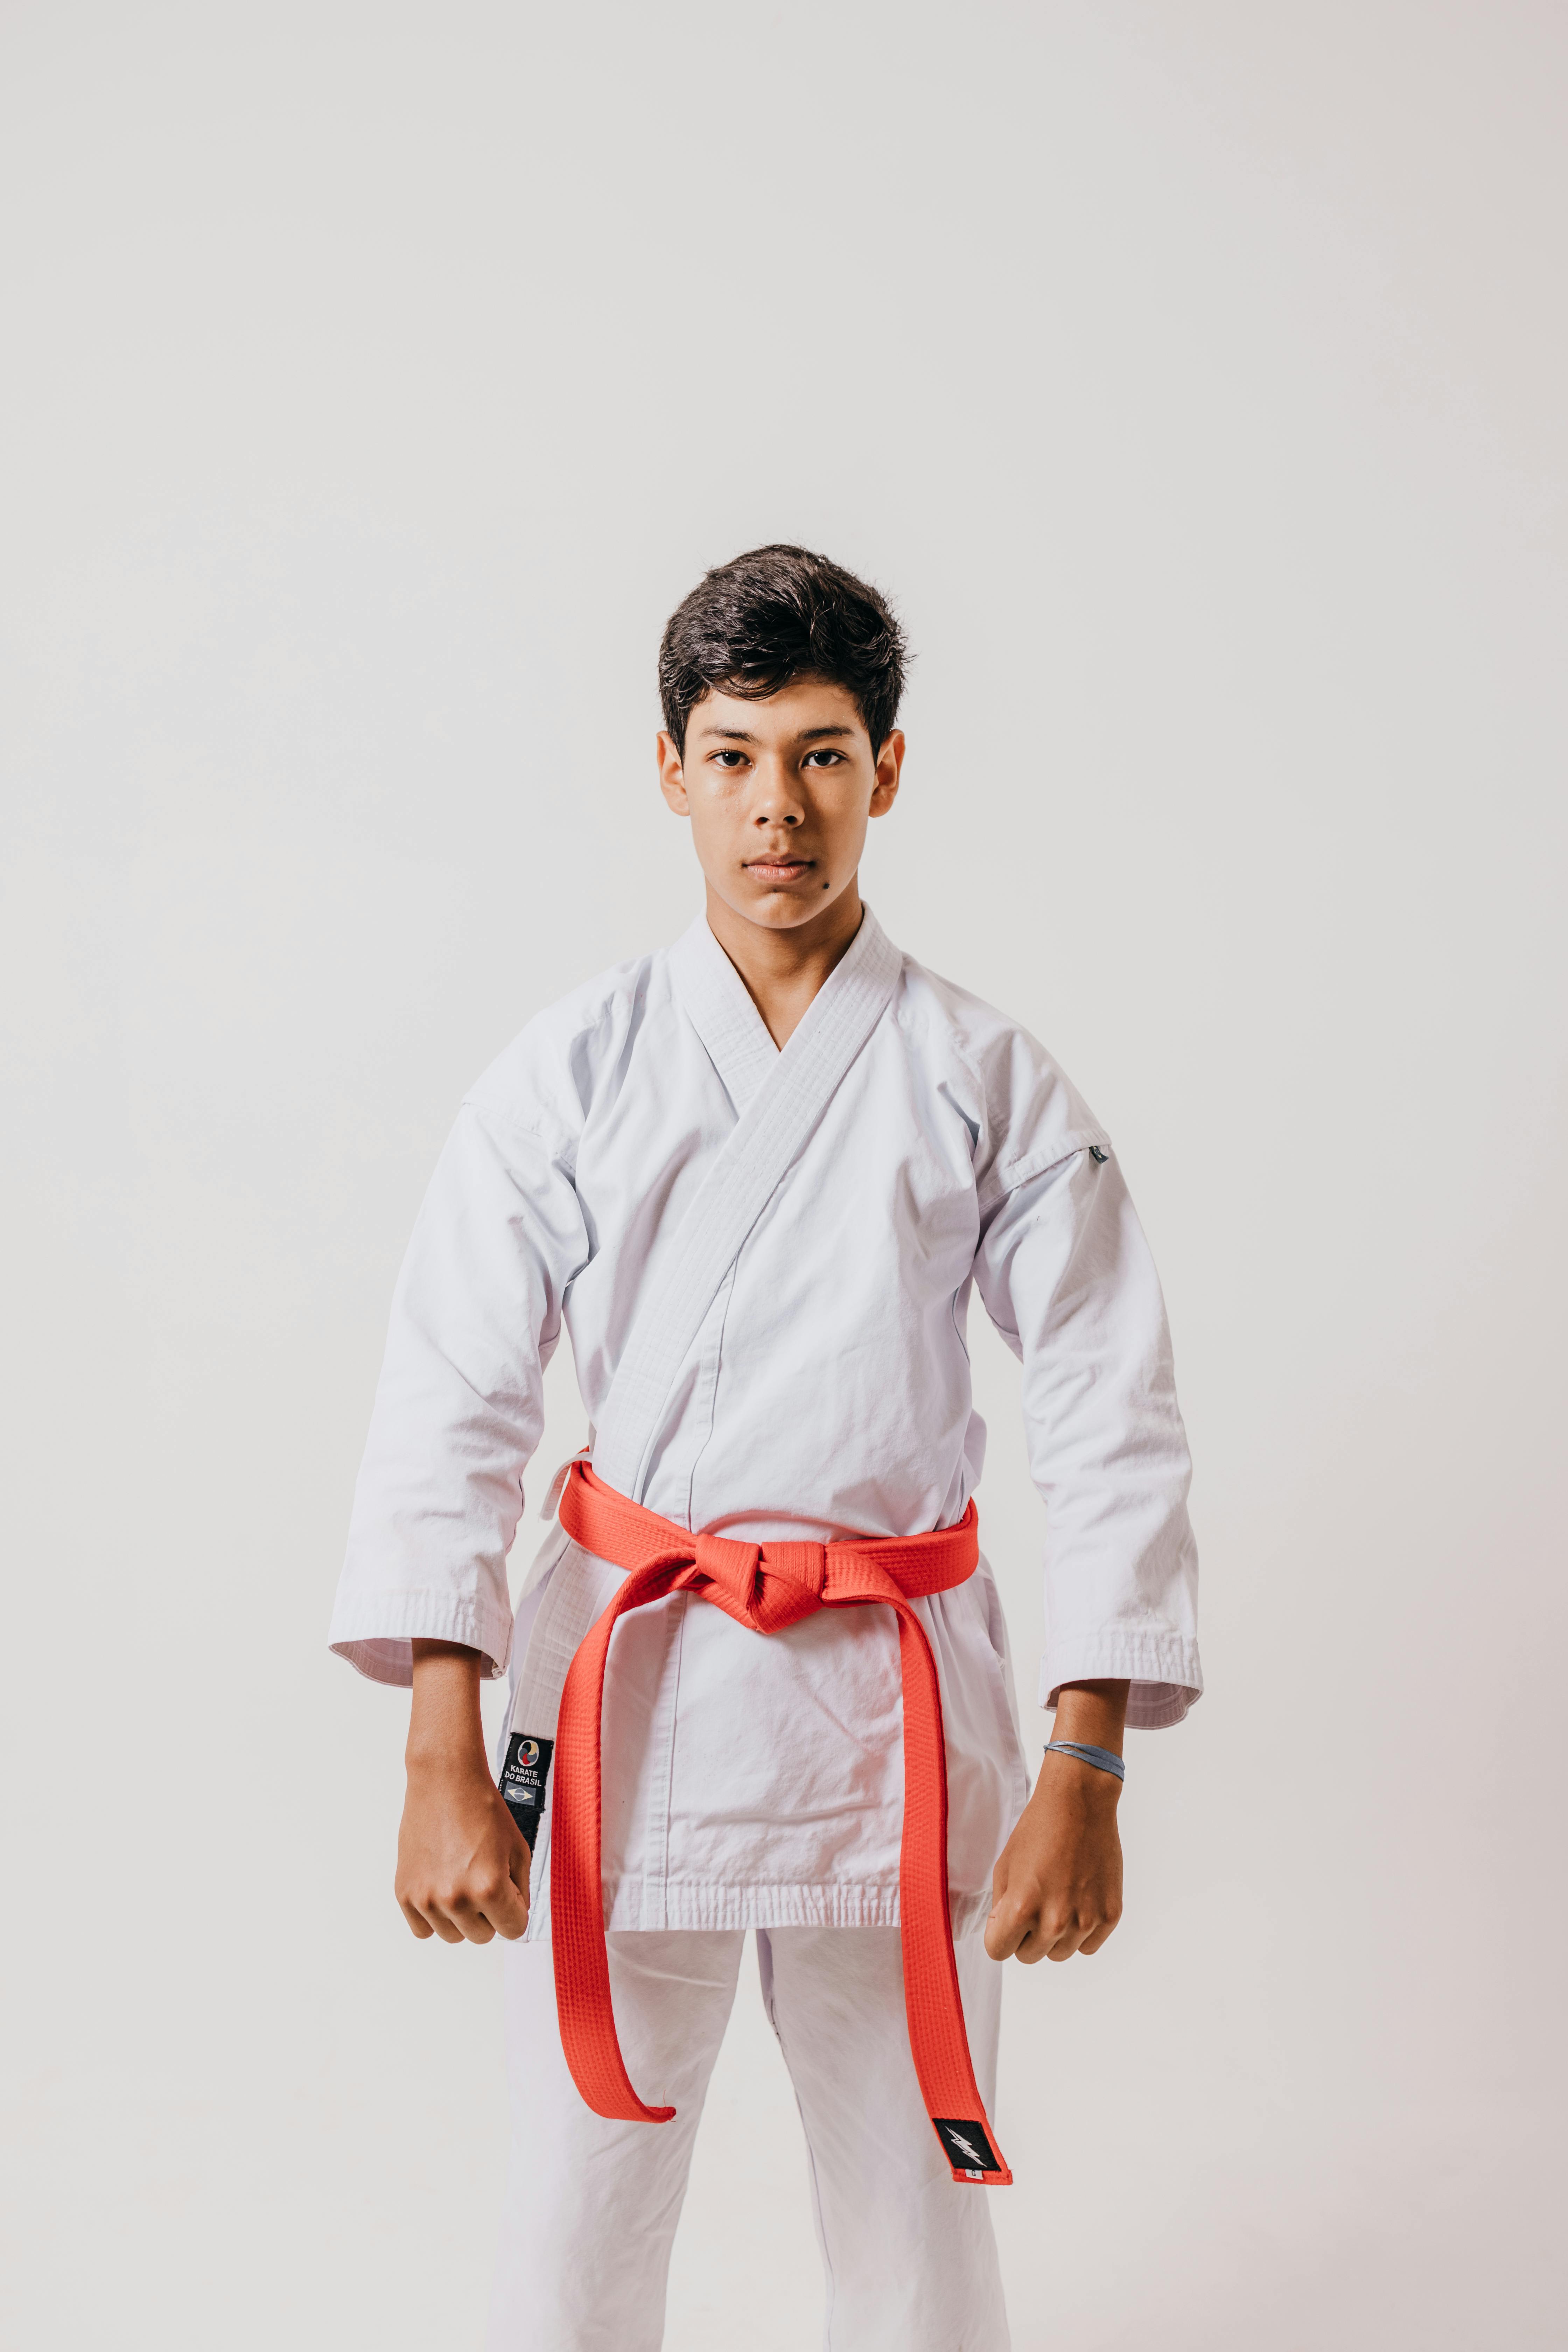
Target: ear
<point>890,767</point>
<point>671,775</point>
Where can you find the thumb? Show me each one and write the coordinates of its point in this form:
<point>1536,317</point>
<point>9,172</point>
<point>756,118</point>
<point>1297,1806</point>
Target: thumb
<point>1001,1933</point>
<point>510,1917</point>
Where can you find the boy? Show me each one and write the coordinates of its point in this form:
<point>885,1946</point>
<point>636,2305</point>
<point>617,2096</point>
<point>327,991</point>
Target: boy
<point>759,1676</point>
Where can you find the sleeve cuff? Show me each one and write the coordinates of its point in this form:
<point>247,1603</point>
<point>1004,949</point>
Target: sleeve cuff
<point>378,1640</point>
<point>1163,1670</point>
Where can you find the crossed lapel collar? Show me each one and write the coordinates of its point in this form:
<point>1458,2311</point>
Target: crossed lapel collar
<point>783,1099</point>
<point>718,1004</point>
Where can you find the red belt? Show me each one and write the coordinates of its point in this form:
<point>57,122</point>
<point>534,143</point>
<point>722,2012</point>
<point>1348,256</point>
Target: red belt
<point>767,1587</point>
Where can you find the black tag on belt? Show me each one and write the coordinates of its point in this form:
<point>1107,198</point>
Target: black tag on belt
<point>968,2149</point>
<point>522,1781</point>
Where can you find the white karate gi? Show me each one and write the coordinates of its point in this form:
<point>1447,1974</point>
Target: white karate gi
<point>787,1361</point>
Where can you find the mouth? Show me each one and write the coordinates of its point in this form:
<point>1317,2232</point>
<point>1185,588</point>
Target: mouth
<point>777,870</point>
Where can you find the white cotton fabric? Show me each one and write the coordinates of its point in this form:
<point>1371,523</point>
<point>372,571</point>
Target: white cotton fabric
<point>908,2253</point>
<point>822,1391</point>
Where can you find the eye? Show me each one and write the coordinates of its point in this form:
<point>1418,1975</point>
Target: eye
<point>727,761</point>
<point>828,759</point>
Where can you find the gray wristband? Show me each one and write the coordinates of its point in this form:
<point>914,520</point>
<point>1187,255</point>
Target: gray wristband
<point>1100,1758</point>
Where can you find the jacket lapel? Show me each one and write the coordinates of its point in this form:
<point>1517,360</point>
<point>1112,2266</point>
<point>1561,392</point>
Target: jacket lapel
<point>780,1098</point>
<point>718,1004</point>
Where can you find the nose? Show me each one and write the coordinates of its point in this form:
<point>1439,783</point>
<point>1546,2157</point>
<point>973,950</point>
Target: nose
<point>778,800</point>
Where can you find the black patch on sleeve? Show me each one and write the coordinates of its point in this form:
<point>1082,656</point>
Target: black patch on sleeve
<point>522,1781</point>
<point>965,2146</point>
<point>1095,1153</point>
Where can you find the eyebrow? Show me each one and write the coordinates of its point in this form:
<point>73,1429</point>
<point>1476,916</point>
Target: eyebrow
<point>745,735</point>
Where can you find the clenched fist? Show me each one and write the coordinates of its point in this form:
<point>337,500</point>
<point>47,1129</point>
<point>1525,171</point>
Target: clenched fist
<point>1056,1889</point>
<point>462,1862</point>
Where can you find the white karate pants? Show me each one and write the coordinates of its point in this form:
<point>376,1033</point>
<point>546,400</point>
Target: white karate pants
<point>592,2206</point>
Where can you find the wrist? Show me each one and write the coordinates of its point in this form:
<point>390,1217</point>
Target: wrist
<point>1082,1756</point>
<point>446,1732</point>
<point>1093,1713</point>
<point>433,1757</point>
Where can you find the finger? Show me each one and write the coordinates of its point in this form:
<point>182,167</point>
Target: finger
<point>493,1899</point>
<point>1049,1937</point>
<point>468,1918</point>
<point>1039,1944</point>
<point>1092,1944</point>
<point>420,1925</point>
<point>442,1923</point>
<point>1012,1921</point>
<point>507,1910</point>
<point>1005,1931</point>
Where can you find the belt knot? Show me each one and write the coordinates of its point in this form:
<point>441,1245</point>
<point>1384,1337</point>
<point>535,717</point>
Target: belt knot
<point>764,1586</point>
<point>803,1564</point>
<point>731,1569</point>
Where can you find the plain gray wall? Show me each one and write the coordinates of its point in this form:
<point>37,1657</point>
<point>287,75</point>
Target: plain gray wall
<point>1194,376</point>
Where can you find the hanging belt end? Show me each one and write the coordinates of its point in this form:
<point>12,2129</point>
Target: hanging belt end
<point>1002,2179</point>
<point>972,2156</point>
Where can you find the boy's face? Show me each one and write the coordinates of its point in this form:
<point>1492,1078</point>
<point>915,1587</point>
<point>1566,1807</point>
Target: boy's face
<point>779,794</point>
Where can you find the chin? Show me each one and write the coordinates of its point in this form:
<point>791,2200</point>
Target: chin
<point>777,908</point>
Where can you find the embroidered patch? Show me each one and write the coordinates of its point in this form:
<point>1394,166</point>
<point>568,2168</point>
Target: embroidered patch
<point>522,1781</point>
<point>967,2147</point>
<point>1095,1153</point>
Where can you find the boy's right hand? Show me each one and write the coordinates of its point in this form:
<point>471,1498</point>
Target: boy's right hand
<point>462,1862</point>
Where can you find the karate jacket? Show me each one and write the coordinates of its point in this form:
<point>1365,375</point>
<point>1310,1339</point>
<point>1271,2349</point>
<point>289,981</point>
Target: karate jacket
<point>765,1262</point>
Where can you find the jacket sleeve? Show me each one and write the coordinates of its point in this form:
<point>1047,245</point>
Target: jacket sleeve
<point>1066,1278</point>
<point>475,1317</point>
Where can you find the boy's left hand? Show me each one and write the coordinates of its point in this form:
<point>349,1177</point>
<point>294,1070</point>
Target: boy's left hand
<point>1056,1889</point>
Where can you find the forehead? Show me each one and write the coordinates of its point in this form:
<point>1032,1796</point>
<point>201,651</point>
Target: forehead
<point>806,706</point>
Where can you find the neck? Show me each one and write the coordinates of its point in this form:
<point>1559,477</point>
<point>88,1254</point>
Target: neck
<point>783,970</point>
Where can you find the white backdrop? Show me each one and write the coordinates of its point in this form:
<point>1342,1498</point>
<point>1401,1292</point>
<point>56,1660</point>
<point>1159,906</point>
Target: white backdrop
<point>1194,375</point>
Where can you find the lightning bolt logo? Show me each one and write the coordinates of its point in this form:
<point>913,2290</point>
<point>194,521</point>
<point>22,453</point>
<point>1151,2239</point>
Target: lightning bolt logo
<point>965,2144</point>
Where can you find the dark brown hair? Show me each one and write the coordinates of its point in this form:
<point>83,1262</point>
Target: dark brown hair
<point>776,614</point>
